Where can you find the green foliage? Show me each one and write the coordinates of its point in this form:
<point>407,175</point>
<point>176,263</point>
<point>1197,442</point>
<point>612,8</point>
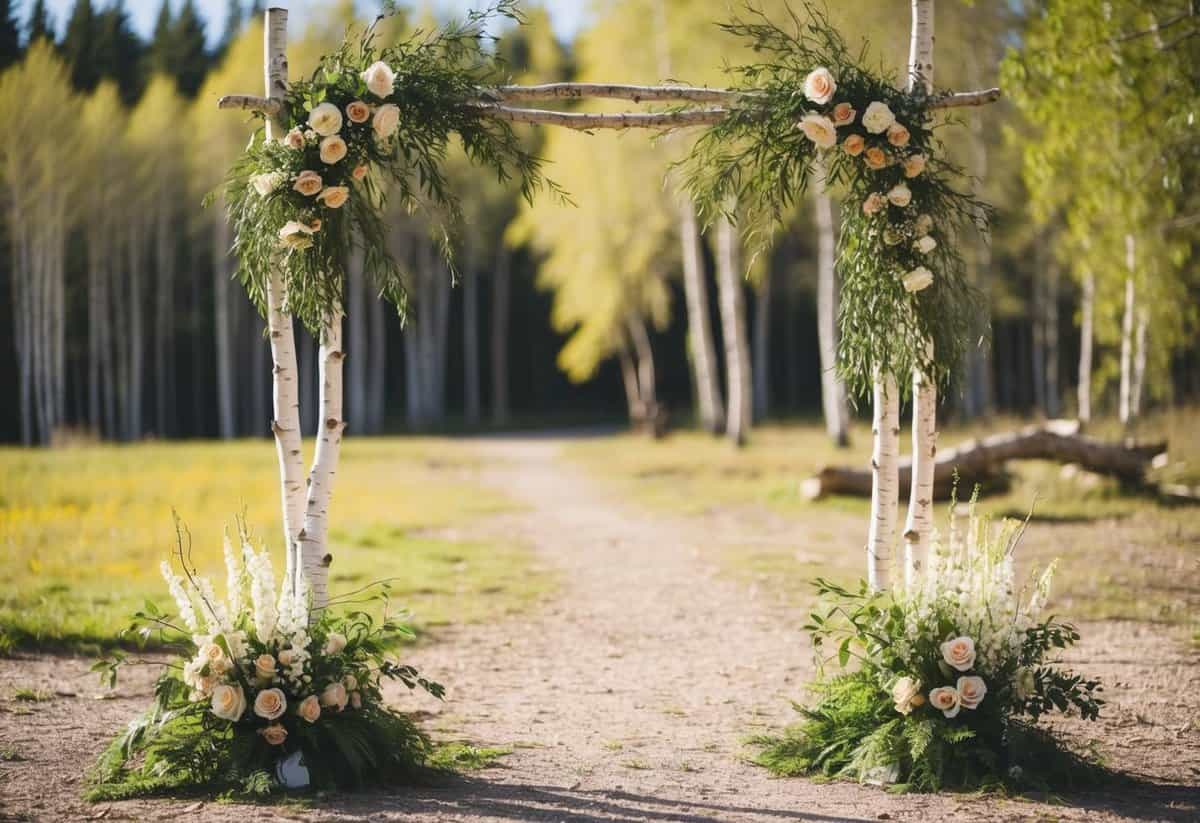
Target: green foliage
<point>757,162</point>
<point>438,75</point>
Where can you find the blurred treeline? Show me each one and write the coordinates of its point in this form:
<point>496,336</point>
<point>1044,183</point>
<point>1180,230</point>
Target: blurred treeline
<point>124,320</point>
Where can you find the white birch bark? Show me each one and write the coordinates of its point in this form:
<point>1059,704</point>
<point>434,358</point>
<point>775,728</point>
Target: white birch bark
<point>733,330</point>
<point>1139,363</point>
<point>646,378</point>
<point>1050,341</point>
<point>885,481</point>
<point>834,400</point>
<point>1125,408</point>
<point>700,340</point>
<point>629,379</point>
<point>314,556</point>
<point>1086,308</point>
<point>918,525</point>
<point>222,328</point>
<point>501,289</point>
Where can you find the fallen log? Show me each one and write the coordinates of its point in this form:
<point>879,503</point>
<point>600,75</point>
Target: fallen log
<point>982,461</point>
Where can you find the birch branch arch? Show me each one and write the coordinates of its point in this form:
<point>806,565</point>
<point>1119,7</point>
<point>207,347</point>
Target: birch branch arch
<point>305,192</point>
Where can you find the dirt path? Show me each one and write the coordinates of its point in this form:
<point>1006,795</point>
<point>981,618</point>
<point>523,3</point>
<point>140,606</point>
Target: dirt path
<point>625,699</point>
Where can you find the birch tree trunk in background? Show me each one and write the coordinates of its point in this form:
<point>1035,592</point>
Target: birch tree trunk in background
<point>702,352</point>
<point>357,323</point>
<point>501,292</point>
<point>629,379</point>
<point>733,330</point>
<point>377,370</point>
<point>761,366</point>
<point>1037,328</point>
<point>1139,363</point>
<point>1087,306</point>
<point>135,331</point>
<point>164,317</point>
<point>222,328</point>
<point>1126,396</point>
<point>1050,340</point>
<point>470,295</point>
<point>834,400</point>
<point>647,380</point>
<point>919,523</point>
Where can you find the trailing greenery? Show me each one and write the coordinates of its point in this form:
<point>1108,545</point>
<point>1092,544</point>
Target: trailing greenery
<point>941,686</point>
<point>372,122</point>
<point>815,113</point>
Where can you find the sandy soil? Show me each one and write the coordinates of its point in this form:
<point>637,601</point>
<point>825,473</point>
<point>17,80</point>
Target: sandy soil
<point>626,698</point>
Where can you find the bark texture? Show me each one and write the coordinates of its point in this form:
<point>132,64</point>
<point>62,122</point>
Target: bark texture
<point>834,399</point>
<point>883,482</point>
<point>705,373</point>
<point>733,330</point>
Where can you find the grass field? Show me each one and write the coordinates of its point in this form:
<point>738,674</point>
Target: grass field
<point>1125,555</point>
<point>83,529</point>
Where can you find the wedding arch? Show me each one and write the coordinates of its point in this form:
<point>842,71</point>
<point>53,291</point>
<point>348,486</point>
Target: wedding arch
<point>374,121</point>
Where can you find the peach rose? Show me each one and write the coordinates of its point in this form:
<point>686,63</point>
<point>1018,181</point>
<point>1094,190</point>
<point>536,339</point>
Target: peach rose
<point>287,657</point>
<point>325,119</point>
<point>380,78</point>
<point>843,114</point>
<point>971,691</point>
<point>873,204</point>
<point>959,653</point>
<point>334,643</point>
<point>308,183</point>
<point>333,149</point>
<point>358,111</point>
<point>904,692</point>
<point>334,696</point>
<point>917,280</point>
<point>359,173</point>
<point>228,702</point>
<point>274,734</point>
<point>898,135</point>
<point>819,86</point>
<point>914,164</point>
<point>854,144</point>
<point>875,158</point>
<point>264,667</point>
<point>899,195</point>
<point>270,704</point>
<point>310,708</point>
<point>945,699</point>
<point>334,196</point>
<point>819,129</point>
<point>294,139</point>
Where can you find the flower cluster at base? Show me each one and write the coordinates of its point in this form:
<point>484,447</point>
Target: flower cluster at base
<point>371,123</point>
<point>257,682</point>
<point>813,110</point>
<point>941,685</point>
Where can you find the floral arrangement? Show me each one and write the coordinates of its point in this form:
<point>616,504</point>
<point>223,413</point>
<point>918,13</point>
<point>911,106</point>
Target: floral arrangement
<point>941,685</point>
<point>264,693</point>
<point>371,123</point>
<point>813,107</point>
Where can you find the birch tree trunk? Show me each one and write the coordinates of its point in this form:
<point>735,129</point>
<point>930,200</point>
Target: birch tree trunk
<point>647,380</point>
<point>136,341</point>
<point>703,356</point>
<point>885,481</point>
<point>1087,306</point>
<point>314,556</point>
<point>1050,341</point>
<point>1139,363</point>
<point>164,317</point>
<point>222,328</point>
<point>377,368</point>
<point>761,366</point>
<point>629,379</point>
<point>357,323</point>
<point>733,330</point>
<point>834,401</point>
<point>501,290</point>
<point>1126,397</point>
<point>919,523</point>
<point>470,293</point>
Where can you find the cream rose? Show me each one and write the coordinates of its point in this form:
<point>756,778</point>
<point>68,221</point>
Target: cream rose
<point>387,120</point>
<point>959,652</point>
<point>819,86</point>
<point>898,135</point>
<point>359,173</point>
<point>274,734</point>
<point>843,114</point>
<point>355,700</point>
<point>333,149</point>
<point>358,112</point>
<point>924,224</point>
<point>334,696</point>
<point>854,144</point>
<point>266,183</point>
<point>945,699</point>
<point>877,118</point>
<point>308,183</point>
<point>264,667</point>
<point>900,195</point>
<point>875,158</point>
<point>296,235</point>
<point>334,643</point>
<point>325,119</point>
<point>270,704</point>
<point>228,702</point>
<point>335,196</point>
<point>916,280</point>
<point>904,692</point>
<point>873,204</point>
<point>294,139</point>
<point>214,656</point>
<point>914,164</point>
<point>380,78</point>
<point>819,129</point>
<point>925,244</point>
<point>971,691</point>
<point>309,708</point>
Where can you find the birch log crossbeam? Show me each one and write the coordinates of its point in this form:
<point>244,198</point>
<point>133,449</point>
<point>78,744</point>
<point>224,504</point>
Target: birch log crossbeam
<point>490,101</point>
<point>984,459</point>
